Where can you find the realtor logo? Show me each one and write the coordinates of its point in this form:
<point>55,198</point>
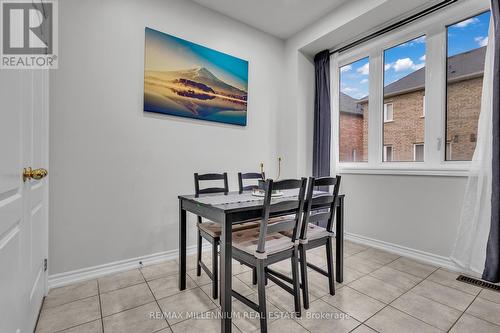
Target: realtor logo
<point>29,39</point>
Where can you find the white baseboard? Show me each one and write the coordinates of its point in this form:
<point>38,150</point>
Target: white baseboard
<point>79,275</point>
<point>425,257</point>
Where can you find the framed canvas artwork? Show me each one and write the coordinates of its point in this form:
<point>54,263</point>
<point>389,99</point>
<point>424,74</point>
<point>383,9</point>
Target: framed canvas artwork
<point>189,80</point>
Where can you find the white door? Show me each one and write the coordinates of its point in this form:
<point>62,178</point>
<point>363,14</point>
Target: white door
<point>23,204</point>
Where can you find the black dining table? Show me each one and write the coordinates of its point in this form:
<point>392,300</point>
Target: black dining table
<point>233,208</point>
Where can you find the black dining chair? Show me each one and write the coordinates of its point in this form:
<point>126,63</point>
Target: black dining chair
<point>249,176</point>
<point>320,207</point>
<point>266,245</point>
<point>211,231</point>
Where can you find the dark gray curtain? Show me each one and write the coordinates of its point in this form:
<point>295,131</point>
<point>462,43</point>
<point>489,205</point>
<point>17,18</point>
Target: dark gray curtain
<point>322,117</point>
<point>492,266</point>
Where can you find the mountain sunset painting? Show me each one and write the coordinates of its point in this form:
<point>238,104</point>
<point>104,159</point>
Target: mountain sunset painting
<point>189,80</point>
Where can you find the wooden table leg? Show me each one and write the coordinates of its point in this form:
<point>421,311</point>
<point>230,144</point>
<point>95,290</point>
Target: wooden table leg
<point>226,275</point>
<point>339,238</point>
<point>182,247</point>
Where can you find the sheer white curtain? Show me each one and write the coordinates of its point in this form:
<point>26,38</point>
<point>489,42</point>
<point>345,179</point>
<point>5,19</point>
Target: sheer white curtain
<point>469,252</point>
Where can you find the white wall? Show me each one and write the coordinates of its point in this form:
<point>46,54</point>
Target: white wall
<point>415,212</point>
<point>115,170</point>
<point>418,213</point>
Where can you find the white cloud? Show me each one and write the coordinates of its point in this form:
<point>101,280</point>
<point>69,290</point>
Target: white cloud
<point>406,64</point>
<point>363,81</point>
<point>388,66</point>
<point>349,89</point>
<point>481,41</point>
<point>418,40</point>
<point>418,66</point>
<point>345,68</point>
<point>467,22</point>
<point>422,58</point>
<point>365,69</point>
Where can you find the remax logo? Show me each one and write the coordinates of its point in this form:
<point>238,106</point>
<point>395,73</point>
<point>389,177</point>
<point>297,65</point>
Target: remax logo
<point>28,34</point>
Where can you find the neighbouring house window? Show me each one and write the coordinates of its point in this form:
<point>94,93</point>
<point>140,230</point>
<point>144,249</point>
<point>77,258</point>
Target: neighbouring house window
<point>418,152</point>
<point>404,86</point>
<point>467,42</point>
<point>388,112</point>
<point>353,112</point>
<point>423,106</point>
<point>388,154</point>
<point>399,109</point>
<point>449,151</point>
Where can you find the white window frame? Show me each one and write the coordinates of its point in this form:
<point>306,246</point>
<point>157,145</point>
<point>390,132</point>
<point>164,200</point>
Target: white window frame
<point>415,151</point>
<point>386,118</point>
<point>433,27</point>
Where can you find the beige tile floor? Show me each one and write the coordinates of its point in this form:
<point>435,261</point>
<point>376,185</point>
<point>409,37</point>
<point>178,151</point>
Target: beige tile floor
<point>382,292</point>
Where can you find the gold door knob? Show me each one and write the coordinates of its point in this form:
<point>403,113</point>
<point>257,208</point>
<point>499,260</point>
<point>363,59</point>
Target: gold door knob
<point>37,174</point>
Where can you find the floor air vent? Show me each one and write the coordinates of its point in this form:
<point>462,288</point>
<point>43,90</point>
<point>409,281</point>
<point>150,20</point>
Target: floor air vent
<point>478,283</point>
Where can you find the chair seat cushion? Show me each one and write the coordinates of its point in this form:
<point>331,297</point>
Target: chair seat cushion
<point>313,232</point>
<point>214,229</point>
<point>247,241</point>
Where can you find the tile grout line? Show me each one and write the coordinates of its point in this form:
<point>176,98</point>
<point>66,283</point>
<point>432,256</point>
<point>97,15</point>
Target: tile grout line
<point>455,287</point>
<point>472,315</point>
<point>239,276</point>
<point>66,303</point>
<point>100,304</point>
<point>131,308</point>
<point>409,290</point>
<point>156,301</point>
<point>426,279</point>
<point>81,324</point>
<point>388,304</point>
<point>461,315</point>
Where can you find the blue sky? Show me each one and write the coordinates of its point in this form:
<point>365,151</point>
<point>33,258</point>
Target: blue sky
<point>404,59</point>
<point>166,52</point>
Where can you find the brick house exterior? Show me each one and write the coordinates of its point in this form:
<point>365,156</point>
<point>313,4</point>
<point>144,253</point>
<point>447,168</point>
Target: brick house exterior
<point>352,135</point>
<point>407,128</point>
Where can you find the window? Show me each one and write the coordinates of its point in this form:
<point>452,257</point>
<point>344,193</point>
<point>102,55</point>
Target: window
<point>388,154</point>
<point>419,100</point>
<point>423,106</point>
<point>353,112</point>
<point>404,85</point>
<point>418,152</point>
<point>448,151</point>
<point>388,112</point>
<point>467,42</point>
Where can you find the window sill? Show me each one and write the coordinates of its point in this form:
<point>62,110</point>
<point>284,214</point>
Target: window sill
<point>444,172</point>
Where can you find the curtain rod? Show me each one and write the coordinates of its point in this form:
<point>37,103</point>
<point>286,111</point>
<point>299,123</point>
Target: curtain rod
<point>396,25</point>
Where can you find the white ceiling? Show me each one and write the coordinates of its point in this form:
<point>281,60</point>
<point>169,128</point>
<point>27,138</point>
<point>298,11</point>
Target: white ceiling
<point>281,18</point>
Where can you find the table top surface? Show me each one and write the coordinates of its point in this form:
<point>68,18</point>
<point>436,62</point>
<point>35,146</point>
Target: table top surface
<point>235,201</point>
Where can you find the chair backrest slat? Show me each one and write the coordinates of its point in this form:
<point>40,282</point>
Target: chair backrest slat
<point>283,206</point>
<point>249,176</point>
<point>293,206</point>
<point>320,207</point>
<point>318,217</point>
<point>287,184</point>
<point>207,177</point>
<point>280,226</point>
